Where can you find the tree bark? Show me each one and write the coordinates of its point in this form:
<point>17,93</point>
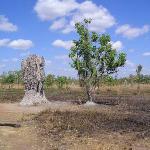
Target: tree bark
<point>89,93</point>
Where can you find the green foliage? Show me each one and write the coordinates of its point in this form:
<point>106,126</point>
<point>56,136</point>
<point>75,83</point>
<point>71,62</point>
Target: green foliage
<point>50,80</point>
<point>93,56</point>
<point>61,81</point>
<point>9,79</point>
<point>109,80</point>
<point>145,79</point>
<point>18,77</point>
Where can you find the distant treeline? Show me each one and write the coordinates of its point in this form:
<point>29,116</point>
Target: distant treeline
<point>15,78</point>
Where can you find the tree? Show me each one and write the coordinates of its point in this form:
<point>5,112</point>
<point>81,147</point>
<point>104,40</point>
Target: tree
<point>61,81</point>
<point>109,80</point>
<point>138,76</point>
<point>9,79</point>
<point>18,77</point>
<point>49,81</point>
<point>93,57</point>
<point>138,72</point>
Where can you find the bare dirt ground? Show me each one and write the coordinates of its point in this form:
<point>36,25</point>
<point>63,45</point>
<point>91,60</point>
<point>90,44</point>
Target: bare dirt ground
<point>23,138</point>
<point>115,128</point>
<point>16,138</point>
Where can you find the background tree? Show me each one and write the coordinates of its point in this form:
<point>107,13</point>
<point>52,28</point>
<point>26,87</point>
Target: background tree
<point>61,81</point>
<point>50,80</point>
<point>109,80</point>
<point>18,77</point>
<point>138,72</point>
<point>138,76</point>
<point>93,57</point>
<point>9,79</point>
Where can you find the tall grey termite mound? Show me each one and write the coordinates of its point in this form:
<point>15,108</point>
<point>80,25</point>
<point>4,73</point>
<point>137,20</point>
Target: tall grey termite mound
<point>33,76</point>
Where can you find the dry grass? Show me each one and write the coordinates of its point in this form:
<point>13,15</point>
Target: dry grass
<point>127,89</point>
<point>109,94</point>
<point>120,122</point>
<point>99,128</point>
<point>9,86</point>
<point>11,95</point>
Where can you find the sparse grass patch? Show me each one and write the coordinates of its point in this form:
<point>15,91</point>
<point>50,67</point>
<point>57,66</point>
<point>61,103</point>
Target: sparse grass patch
<point>70,128</point>
<point>112,94</point>
<point>11,95</point>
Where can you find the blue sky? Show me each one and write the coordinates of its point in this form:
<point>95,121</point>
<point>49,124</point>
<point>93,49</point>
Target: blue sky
<point>45,27</point>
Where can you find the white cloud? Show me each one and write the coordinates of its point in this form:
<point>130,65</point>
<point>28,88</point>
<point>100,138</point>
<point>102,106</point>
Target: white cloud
<point>20,44</point>
<point>74,12</point>
<point>132,32</point>
<point>52,9</point>
<point>63,44</point>
<point>117,45</point>
<point>5,25</point>
<point>146,54</point>
<point>130,64</point>
<point>58,24</point>
<point>16,44</point>
<point>101,18</point>
<point>4,42</point>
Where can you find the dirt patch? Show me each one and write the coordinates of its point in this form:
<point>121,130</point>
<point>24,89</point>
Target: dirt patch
<point>66,126</point>
<point>21,138</point>
<point>18,139</point>
<point>97,127</point>
<point>24,137</point>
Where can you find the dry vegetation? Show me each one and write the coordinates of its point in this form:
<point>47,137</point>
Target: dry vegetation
<point>101,127</point>
<point>120,122</point>
<point>73,93</point>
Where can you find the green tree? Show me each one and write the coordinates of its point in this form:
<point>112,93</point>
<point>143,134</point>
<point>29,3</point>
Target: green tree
<point>18,77</point>
<point>50,80</point>
<point>93,57</point>
<point>138,72</point>
<point>61,81</point>
<point>138,76</point>
<point>9,79</point>
<point>109,80</point>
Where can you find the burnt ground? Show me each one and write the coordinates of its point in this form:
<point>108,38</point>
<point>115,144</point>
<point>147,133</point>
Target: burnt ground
<point>68,126</point>
<point>117,122</point>
<point>95,127</point>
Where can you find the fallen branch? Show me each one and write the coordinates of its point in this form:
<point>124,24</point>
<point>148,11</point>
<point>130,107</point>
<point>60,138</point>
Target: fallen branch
<point>14,125</point>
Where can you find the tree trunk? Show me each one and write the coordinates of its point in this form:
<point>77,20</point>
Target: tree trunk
<point>138,88</point>
<point>89,93</point>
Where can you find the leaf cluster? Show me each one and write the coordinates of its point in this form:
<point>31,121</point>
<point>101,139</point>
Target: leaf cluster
<point>92,54</point>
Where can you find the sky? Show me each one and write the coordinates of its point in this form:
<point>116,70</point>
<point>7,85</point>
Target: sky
<point>46,28</point>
